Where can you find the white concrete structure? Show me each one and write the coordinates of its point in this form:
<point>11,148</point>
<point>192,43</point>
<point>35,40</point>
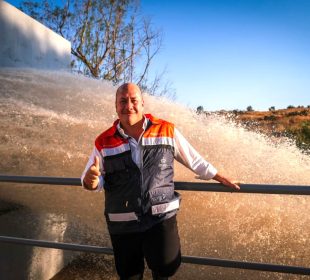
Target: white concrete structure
<point>24,42</point>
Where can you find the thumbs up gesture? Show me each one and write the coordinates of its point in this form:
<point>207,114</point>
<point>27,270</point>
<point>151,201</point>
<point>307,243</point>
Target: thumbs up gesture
<point>91,179</point>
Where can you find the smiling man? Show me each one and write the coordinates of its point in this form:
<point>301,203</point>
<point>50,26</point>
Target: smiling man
<point>133,162</point>
<point>129,106</point>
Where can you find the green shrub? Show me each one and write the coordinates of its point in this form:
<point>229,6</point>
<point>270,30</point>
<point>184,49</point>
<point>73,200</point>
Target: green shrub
<point>302,136</point>
<point>270,118</point>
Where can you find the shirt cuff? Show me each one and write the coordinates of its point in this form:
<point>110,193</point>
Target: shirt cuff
<point>210,173</point>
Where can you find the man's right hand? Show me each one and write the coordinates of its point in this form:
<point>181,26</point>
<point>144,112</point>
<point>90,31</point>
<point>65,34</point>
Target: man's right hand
<point>91,179</point>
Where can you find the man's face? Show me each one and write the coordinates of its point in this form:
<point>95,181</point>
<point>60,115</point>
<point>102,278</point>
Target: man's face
<point>129,105</point>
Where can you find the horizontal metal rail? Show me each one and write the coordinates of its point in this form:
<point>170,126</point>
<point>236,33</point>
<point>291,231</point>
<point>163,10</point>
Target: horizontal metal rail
<point>183,186</point>
<point>185,259</point>
<point>56,245</point>
<point>186,186</point>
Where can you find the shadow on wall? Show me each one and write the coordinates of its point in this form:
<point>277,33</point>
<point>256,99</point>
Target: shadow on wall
<point>26,43</point>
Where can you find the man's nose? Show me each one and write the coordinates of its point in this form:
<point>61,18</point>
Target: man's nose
<point>129,105</point>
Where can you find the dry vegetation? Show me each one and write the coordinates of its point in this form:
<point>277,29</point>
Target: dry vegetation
<point>291,122</point>
<point>275,121</point>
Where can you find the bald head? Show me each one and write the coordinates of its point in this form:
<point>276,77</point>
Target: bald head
<point>129,104</point>
<point>128,87</point>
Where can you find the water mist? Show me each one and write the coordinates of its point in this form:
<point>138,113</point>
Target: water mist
<point>49,121</point>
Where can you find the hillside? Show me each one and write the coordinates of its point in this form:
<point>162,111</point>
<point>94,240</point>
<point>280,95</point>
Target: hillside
<point>292,122</point>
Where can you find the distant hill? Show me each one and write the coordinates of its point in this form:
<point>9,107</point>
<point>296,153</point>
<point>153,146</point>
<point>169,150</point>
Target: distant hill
<point>292,122</point>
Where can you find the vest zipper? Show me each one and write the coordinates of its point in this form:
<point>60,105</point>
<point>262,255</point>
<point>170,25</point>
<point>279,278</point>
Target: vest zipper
<point>141,170</point>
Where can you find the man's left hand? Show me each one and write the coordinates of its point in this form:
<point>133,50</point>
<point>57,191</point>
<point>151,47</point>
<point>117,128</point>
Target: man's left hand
<point>227,182</point>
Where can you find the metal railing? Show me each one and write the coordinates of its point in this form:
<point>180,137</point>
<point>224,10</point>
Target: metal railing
<point>187,186</point>
<point>182,186</point>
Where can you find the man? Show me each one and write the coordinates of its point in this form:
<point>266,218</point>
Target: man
<point>133,162</point>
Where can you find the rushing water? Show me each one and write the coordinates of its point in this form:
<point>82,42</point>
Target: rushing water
<point>48,123</point>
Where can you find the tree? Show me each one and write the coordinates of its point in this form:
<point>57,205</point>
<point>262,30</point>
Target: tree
<point>272,108</point>
<point>249,109</point>
<point>110,40</point>
<point>199,110</point>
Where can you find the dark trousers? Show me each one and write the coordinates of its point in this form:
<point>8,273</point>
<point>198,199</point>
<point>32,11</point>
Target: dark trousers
<point>159,246</point>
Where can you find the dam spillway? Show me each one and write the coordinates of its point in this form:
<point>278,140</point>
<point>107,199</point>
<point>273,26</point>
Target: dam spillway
<point>49,121</point>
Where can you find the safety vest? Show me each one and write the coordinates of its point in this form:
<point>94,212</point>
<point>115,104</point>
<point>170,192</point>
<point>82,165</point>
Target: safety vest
<point>137,198</point>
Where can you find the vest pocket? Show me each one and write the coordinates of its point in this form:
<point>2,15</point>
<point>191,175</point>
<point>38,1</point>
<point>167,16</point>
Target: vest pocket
<point>161,195</point>
<point>173,204</point>
<point>122,195</point>
<point>116,180</point>
<point>120,206</point>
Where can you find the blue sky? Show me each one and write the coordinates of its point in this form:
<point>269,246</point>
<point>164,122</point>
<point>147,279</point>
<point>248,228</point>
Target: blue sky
<point>229,54</point>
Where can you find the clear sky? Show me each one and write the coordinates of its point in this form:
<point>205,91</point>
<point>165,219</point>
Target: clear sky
<point>229,54</point>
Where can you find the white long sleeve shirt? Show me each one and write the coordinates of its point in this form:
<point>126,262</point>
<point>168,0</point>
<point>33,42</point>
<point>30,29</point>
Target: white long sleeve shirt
<point>183,153</point>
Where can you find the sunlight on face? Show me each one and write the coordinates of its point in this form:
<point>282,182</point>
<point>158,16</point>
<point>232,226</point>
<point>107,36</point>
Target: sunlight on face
<point>129,104</point>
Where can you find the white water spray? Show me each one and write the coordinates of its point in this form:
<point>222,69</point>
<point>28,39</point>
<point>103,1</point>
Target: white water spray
<point>49,121</point>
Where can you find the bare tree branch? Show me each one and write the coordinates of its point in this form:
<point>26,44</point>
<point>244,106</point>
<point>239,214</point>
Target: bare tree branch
<point>109,38</point>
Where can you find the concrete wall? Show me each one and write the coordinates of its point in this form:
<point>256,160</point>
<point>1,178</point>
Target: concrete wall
<point>24,42</point>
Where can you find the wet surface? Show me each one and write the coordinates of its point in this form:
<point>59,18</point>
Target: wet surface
<point>27,212</point>
<point>47,128</point>
<point>89,266</point>
<point>33,213</point>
